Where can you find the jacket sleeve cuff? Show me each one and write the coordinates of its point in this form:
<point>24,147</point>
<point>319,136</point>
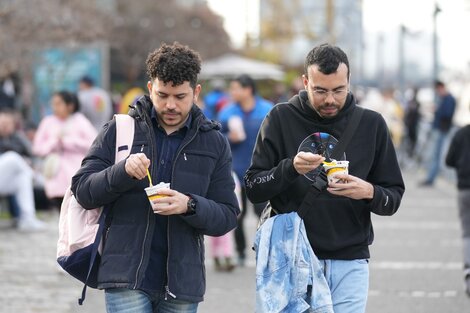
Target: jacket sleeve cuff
<point>377,200</point>
<point>196,218</point>
<point>121,181</point>
<point>291,172</point>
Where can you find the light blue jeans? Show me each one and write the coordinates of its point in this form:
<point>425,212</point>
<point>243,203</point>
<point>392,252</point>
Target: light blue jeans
<point>349,284</point>
<point>123,300</point>
<point>439,139</point>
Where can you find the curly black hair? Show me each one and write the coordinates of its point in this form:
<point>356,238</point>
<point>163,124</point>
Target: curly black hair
<point>327,57</point>
<point>174,63</point>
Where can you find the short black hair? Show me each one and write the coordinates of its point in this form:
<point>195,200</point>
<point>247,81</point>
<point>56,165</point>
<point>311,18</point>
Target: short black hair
<point>87,80</point>
<point>327,57</point>
<point>438,83</point>
<point>174,63</point>
<point>246,81</point>
<point>69,98</point>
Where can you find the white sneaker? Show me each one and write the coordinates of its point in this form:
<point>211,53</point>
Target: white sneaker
<point>32,225</point>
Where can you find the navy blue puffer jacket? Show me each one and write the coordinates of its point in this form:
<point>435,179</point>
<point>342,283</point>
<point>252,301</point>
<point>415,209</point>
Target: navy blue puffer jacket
<point>202,168</point>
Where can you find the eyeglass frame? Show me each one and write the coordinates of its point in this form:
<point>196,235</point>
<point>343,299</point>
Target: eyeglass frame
<point>323,93</point>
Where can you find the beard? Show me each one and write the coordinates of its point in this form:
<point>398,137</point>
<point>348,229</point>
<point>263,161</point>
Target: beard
<point>171,117</point>
<point>326,110</point>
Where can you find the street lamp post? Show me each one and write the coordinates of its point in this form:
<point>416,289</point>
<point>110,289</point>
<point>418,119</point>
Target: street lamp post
<point>401,61</point>
<point>435,68</point>
<point>380,74</point>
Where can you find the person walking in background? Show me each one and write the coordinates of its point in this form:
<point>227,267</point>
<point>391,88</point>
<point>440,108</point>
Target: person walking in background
<point>222,246</point>
<point>393,114</point>
<point>222,252</point>
<point>16,179</point>
<point>153,257</point>
<point>216,99</point>
<point>8,91</point>
<point>17,136</point>
<point>10,138</point>
<point>95,102</point>
<point>441,125</point>
<point>338,219</point>
<point>63,139</point>
<point>386,105</point>
<point>241,121</point>
<point>458,157</point>
<point>412,119</point>
<point>13,140</point>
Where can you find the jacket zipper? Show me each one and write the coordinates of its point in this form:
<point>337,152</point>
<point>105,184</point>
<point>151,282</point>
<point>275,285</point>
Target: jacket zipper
<point>167,287</point>
<point>148,214</point>
<point>168,292</point>
<point>106,234</point>
<point>143,252</point>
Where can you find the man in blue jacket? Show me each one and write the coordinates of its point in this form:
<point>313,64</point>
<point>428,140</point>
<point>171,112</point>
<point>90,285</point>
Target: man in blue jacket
<point>153,256</point>
<point>441,126</point>
<point>249,109</point>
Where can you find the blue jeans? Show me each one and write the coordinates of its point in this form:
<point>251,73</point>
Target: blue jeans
<point>436,158</point>
<point>349,284</point>
<point>123,300</point>
<point>14,207</point>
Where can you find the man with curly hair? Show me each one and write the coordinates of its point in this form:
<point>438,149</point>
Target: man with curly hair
<point>153,256</point>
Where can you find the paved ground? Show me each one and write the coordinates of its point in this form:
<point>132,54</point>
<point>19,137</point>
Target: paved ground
<point>415,266</point>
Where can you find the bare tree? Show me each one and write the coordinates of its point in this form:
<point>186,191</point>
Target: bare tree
<point>28,25</point>
<point>132,29</point>
<point>139,29</point>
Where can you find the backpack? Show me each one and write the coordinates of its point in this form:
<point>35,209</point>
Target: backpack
<point>80,231</point>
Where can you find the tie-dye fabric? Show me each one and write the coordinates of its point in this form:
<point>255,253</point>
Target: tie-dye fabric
<point>285,268</point>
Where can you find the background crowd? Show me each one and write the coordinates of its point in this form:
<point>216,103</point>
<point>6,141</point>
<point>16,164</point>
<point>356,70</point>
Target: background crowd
<point>53,149</point>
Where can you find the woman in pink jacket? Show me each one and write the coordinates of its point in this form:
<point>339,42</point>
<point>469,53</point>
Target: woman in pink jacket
<point>63,139</point>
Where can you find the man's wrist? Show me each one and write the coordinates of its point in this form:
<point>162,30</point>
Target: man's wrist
<point>370,194</point>
<point>190,205</point>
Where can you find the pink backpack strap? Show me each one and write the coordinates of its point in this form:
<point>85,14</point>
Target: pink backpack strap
<point>124,136</point>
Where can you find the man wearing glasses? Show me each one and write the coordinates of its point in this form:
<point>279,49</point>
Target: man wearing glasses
<point>338,218</point>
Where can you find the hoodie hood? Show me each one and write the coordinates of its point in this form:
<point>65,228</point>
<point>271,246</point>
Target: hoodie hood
<point>143,106</point>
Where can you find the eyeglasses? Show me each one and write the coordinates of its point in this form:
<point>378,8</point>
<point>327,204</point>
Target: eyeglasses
<point>337,94</point>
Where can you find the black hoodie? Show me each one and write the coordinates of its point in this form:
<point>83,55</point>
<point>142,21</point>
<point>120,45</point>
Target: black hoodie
<point>458,156</point>
<point>337,227</point>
